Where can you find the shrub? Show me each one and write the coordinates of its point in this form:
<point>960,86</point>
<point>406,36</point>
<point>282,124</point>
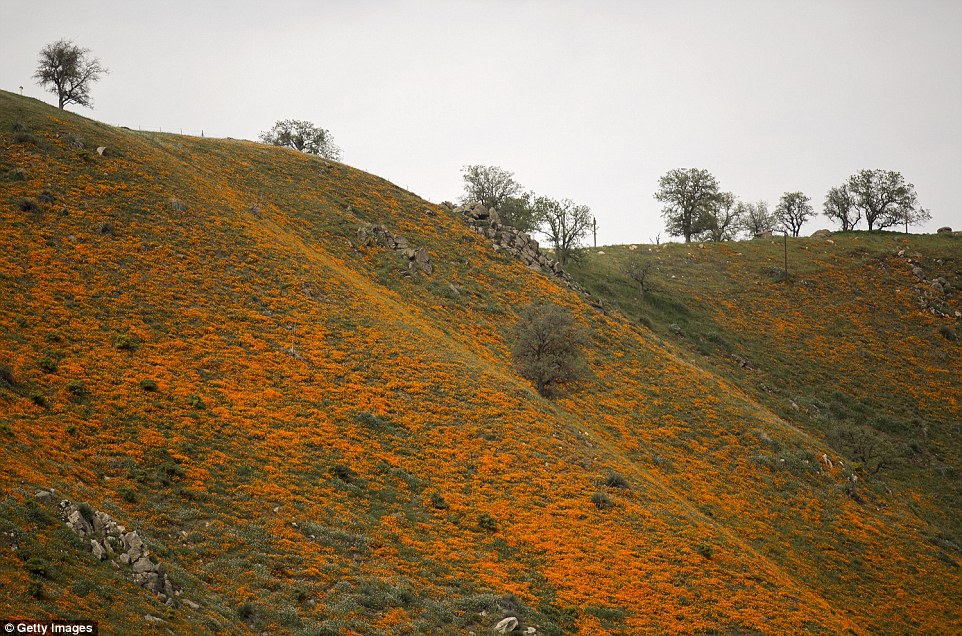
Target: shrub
<point>105,228</point>
<point>178,206</point>
<point>6,376</point>
<point>871,449</point>
<point>948,333</point>
<point>705,549</point>
<point>35,589</point>
<point>48,364</point>
<point>76,388</point>
<point>16,174</point>
<point>487,522</point>
<point>5,430</point>
<point>547,348</point>
<point>37,566</point>
<point>124,342</point>
<point>615,480</point>
<point>23,137</point>
<point>246,611</point>
<point>27,204</point>
<point>344,473</point>
<point>149,385</point>
<point>602,501</point>
<point>437,501</point>
<point>194,401</point>
<point>38,398</point>
<point>128,495</point>
<point>86,511</point>
<point>46,197</point>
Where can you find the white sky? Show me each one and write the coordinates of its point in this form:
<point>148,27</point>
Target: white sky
<point>592,101</point>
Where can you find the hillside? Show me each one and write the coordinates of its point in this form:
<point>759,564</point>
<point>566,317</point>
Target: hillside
<point>314,438</point>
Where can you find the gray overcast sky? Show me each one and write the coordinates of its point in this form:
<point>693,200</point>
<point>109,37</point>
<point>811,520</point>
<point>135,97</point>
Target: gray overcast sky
<point>592,101</point>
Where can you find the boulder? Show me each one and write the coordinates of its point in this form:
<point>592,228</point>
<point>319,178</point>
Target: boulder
<point>821,234</point>
<point>98,550</point>
<point>766,234</point>
<point>144,565</point>
<point>79,524</point>
<point>101,150</point>
<point>506,625</point>
<point>944,230</point>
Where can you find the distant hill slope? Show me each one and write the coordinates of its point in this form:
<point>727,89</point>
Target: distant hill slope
<point>313,438</point>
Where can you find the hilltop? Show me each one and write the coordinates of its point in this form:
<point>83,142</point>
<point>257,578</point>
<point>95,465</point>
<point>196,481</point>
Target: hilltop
<point>315,434</point>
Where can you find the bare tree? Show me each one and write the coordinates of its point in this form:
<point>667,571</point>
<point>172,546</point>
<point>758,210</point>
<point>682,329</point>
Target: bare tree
<point>793,210</point>
<point>302,136</point>
<point>68,70</point>
<point>547,348</point>
<point>564,223</point>
<point>755,217</point>
<point>639,270</point>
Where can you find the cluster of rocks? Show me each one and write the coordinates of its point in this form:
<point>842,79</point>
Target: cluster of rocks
<point>510,240</point>
<point>110,541</point>
<point>418,259</point>
<point>931,291</point>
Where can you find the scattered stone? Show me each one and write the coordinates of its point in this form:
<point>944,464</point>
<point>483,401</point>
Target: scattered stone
<point>506,625</point>
<point>111,542</point>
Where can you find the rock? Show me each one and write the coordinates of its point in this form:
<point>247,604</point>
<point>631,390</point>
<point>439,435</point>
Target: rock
<point>98,550</point>
<point>191,604</point>
<point>767,234</point>
<point>821,234</point>
<point>123,558</point>
<point>101,150</point>
<point>79,524</point>
<point>400,243</point>
<point>144,565</point>
<point>944,230</point>
<point>43,495</point>
<point>506,625</point>
<point>134,546</point>
<point>917,272</point>
<point>530,630</point>
<point>675,329</point>
<point>494,216</point>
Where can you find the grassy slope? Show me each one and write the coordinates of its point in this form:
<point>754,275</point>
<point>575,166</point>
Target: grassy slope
<point>241,498</point>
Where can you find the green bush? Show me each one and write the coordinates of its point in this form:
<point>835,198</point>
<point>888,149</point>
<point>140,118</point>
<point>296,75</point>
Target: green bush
<point>437,501</point>
<point>707,550</point>
<point>38,398</point>
<point>15,174</point>
<point>602,501</point>
<point>48,364</point>
<point>615,480</point>
<point>124,342</point>
<point>194,401</point>
<point>23,137</point>
<point>26,204</point>
<point>547,348</point>
<point>345,473</point>
<point>76,388</point>
<point>948,333</point>
<point>37,566</point>
<point>149,385</point>
<point>35,589</point>
<point>6,376</point>
<point>487,522</point>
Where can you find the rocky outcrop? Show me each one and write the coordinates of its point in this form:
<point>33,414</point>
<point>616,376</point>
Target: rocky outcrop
<point>932,292</point>
<point>512,242</point>
<point>377,235</point>
<point>109,541</point>
<point>944,230</point>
